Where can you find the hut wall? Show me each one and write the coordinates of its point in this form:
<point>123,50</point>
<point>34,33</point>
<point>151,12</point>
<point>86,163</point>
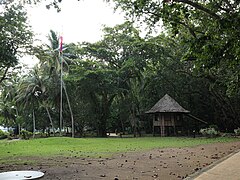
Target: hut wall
<point>169,119</point>
<point>167,123</point>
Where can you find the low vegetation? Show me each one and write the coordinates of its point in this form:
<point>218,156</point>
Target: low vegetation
<point>209,132</point>
<point>93,147</point>
<point>3,134</point>
<point>237,131</point>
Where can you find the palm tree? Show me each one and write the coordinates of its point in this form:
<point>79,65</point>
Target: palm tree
<point>28,92</point>
<point>33,94</point>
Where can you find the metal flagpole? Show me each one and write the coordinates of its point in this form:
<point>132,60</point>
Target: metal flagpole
<point>61,92</point>
<point>61,86</point>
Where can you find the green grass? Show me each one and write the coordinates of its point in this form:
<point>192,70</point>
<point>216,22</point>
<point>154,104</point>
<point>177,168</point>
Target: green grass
<point>93,147</point>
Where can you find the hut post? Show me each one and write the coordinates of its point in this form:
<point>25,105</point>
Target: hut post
<point>153,124</point>
<point>174,118</point>
<point>162,126</point>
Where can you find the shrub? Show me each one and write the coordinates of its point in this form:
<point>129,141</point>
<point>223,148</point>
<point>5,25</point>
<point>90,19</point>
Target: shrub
<point>227,134</point>
<point>41,135</point>
<point>3,135</point>
<point>209,132</point>
<point>237,131</point>
<point>214,127</point>
<point>26,134</point>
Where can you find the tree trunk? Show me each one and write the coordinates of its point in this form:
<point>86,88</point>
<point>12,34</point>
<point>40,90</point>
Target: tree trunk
<point>19,125</point>
<point>34,124</point>
<point>123,128</point>
<point>225,108</point>
<point>133,120</point>
<point>106,102</point>
<point>50,118</point>
<point>19,130</point>
<point>102,129</point>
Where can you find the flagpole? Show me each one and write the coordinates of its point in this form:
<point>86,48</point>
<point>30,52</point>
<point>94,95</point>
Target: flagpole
<point>61,86</point>
<point>61,92</point>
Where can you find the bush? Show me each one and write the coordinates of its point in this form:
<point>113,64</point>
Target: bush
<point>26,134</point>
<point>227,134</point>
<point>209,132</point>
<point>214,127</point>
<point>237,131</point>
<point>3,135</point>
<point>41,135</point>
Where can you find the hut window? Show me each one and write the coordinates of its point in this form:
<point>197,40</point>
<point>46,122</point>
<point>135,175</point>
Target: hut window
<point>156,117</point>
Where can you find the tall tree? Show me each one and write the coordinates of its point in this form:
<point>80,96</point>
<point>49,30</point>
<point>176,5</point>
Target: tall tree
<point>15,37</point>
<point>119,55</point>
<point>28,95</point>
<point>98,85</point>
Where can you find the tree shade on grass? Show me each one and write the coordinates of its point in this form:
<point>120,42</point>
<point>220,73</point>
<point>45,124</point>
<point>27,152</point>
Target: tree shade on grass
<point>94,147</point>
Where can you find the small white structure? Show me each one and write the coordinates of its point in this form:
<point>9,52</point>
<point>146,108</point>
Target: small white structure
<point>21,175</point>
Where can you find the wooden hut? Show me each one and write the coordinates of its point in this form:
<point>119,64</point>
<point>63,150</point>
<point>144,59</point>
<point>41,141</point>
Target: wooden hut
<point>167,116</point>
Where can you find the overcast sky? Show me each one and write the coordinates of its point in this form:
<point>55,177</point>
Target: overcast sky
<point>78,21</point>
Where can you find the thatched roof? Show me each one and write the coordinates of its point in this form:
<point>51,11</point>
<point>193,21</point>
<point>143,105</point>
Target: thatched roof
<point>167,104</point>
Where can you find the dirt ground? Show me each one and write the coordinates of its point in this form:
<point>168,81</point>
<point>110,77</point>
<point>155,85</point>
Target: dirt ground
<point>169,163</point>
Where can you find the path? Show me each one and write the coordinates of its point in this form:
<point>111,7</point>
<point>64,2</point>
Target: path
<point>228,169</point>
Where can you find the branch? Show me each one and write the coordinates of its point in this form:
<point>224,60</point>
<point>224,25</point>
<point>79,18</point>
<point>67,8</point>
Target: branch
<point>189,28</point>
<point>4,75</point>
<point>200,7</point>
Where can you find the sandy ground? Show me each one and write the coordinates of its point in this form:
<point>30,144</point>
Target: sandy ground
<point>169,163</point>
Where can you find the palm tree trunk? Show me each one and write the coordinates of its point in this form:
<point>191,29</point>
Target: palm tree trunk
<point>19,125</point>
<point>50,118</point>
<point>70,109</point>
<point>34,124</point>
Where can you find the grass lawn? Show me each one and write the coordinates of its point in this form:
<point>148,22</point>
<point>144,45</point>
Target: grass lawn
<point>93,147</point>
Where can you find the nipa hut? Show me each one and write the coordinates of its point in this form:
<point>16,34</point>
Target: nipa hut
<point>167,116</point>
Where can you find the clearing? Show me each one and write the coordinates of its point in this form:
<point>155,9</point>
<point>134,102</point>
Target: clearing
<point>114,158</point>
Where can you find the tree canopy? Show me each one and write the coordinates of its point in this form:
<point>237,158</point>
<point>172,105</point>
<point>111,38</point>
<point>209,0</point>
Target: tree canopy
<point>208,28</point>
<point>15,37</point>
<point>111,83</point>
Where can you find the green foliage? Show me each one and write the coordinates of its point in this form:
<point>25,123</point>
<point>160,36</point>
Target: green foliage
<point>15,37</point>
<point>41,135</point>
<point>207,33</point>
<point>3,135</point>
<point>214,126</point>
<point>26,134</point>
<point>209,132</point>
<point>207,28</point>
<point>107,72</point>
<point>8,107</point>
<point>237,131</point>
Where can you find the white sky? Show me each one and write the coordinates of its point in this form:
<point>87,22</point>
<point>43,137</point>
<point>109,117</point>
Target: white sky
<point>78,21</point>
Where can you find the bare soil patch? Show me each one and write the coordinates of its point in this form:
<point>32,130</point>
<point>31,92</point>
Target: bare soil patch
<point>168,163</point>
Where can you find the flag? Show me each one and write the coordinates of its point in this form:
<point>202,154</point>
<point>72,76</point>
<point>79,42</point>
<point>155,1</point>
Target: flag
<point>61,44</point>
